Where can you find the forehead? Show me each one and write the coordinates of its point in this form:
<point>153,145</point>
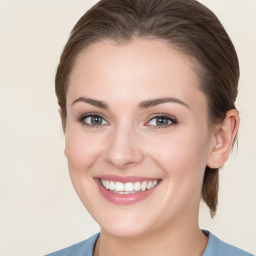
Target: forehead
<point>134,71</point>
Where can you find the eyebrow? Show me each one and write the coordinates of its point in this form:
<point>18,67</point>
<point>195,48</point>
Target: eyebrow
<point>143,104</point>
<point>155,102</point>
<point>94,102</point>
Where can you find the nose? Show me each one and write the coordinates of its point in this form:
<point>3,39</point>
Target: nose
<point>124,149</point>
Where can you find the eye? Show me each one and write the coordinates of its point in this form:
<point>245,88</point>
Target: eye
<point>92,120</point>
<point>162,121</point>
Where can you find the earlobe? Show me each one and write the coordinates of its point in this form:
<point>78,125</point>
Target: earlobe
<point>224,136</point>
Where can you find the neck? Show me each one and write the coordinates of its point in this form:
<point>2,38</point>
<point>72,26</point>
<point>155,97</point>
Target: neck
<point>188,240</point>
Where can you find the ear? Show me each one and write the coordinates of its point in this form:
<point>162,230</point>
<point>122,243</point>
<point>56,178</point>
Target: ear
<point>223,138</point>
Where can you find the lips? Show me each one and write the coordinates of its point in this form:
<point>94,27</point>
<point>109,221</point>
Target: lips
<point>126,190</point>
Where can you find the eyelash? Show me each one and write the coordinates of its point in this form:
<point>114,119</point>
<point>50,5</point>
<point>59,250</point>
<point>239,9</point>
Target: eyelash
<point>81,119</point>
<point>172,120</point>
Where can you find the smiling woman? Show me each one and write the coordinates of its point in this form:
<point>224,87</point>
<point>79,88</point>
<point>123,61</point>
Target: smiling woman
<point>147,95</point>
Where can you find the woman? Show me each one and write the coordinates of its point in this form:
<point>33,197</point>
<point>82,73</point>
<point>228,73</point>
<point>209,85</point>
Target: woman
<point>147,92</point>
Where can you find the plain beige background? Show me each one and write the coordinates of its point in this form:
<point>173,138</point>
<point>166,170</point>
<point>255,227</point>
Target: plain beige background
<point>39,209</point>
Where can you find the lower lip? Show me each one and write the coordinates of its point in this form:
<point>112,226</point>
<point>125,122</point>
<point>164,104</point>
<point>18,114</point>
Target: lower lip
<point>124,199</point>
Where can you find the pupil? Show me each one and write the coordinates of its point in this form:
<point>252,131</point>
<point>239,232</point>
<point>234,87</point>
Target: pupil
<point>162,121</point>
<point>96,120</point>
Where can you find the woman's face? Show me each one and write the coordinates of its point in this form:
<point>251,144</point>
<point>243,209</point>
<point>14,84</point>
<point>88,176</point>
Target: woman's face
<point>137,136</point>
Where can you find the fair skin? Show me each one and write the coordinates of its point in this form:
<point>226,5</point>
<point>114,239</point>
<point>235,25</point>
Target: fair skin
<point>116,127</point>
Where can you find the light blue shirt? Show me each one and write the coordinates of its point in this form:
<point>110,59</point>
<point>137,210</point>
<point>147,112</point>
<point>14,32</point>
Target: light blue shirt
<point>215,247</point>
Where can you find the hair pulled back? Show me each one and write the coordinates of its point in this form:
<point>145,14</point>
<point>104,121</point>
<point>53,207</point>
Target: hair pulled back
<point>186,25</point>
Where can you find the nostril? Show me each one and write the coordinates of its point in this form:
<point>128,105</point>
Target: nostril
<point>120,162</point>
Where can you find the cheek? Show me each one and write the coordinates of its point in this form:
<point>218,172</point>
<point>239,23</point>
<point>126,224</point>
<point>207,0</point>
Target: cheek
<point>181,154</point>
<point>81,151</point>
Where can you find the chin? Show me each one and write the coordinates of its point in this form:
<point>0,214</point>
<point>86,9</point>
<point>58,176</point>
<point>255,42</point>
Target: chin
<point>124,231</point>
<point>128,225</point>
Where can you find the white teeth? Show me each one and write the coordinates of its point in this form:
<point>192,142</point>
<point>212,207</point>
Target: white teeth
<point>112,185</point>
<point>107,186</point>
<point>119,187</point>
<point>150,185</point>
<point>144,186</point>
<point>136,186</point>
<point>129,187</point>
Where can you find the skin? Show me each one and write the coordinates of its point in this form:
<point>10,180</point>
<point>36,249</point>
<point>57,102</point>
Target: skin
<point>129,142</point>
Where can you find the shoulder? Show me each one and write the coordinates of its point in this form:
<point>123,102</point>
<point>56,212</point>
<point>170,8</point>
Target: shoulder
<point>217,247</point>
<point>84,248</point>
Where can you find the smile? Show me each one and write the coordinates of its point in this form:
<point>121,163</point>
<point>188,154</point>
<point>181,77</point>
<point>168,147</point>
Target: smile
<point>126,190</point>
<point>129,187</point>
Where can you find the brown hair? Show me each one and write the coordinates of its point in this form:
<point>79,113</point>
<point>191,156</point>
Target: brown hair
<point>186,25</point>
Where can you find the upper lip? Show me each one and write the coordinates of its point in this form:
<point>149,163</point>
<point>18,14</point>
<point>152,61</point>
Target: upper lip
<point>125,179</point>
